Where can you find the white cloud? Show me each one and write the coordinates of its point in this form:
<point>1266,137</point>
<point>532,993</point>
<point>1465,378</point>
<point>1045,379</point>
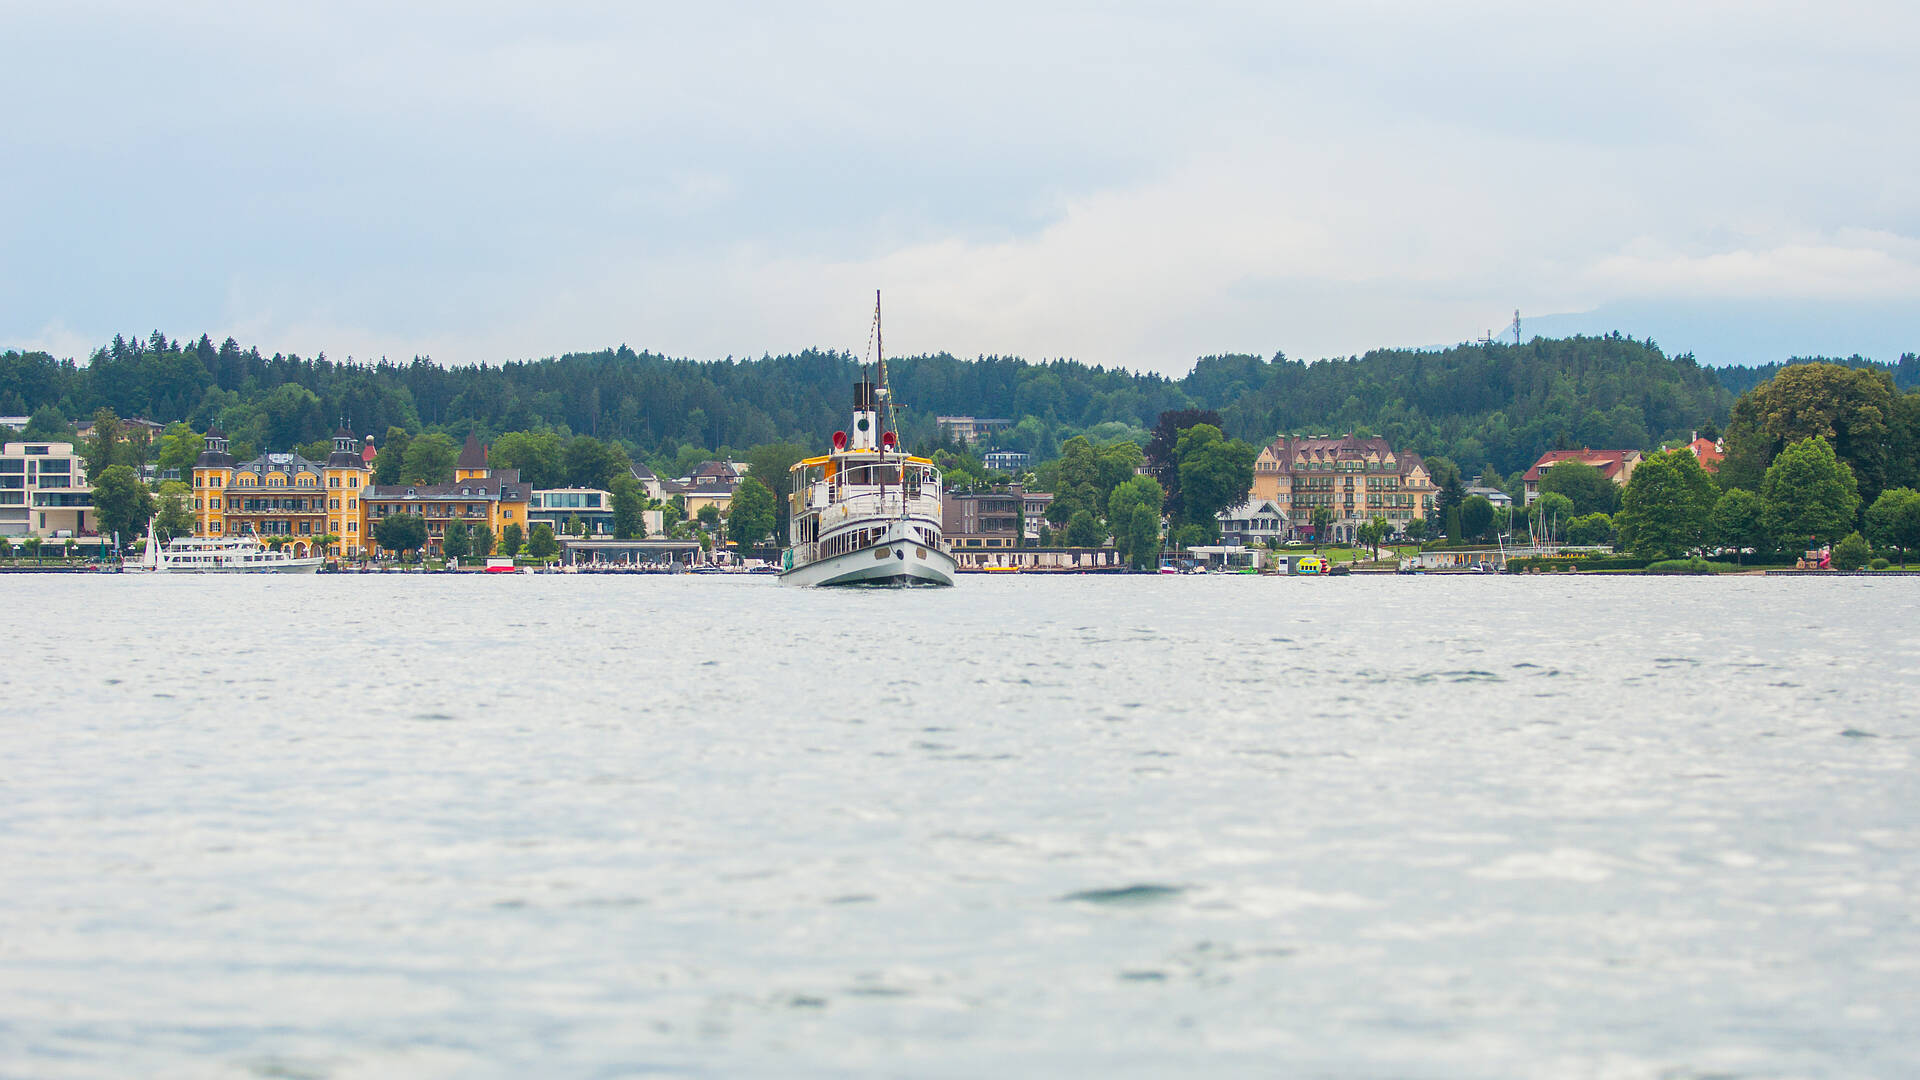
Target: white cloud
<point>1853,265</point>
<point>1122,185</point>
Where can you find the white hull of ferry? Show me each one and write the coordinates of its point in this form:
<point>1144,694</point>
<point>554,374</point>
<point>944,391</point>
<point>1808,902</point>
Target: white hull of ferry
<point>897,560</point>
<point>228,555</point>
<point>290,566</point>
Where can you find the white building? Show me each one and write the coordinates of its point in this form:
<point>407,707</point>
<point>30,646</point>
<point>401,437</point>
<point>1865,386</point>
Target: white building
<point>594,508</point>
<point>1006,460</point>
<point>1256,521</point>
<point>968,429</point>
<point>44,491</point>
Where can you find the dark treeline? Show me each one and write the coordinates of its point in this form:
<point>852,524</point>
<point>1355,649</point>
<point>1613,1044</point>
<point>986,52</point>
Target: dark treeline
<point>1905,371</point>
<point>1494,406</point>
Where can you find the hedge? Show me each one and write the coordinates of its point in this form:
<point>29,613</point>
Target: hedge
<point>1553,564</point>
<point>1695,565</point>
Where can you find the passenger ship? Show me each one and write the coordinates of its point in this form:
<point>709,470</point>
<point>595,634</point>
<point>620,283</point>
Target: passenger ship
<point>868,513</point>
<point>223,555</point>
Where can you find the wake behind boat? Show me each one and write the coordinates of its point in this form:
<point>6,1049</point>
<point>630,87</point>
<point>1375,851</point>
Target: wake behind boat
<point>868,513</point>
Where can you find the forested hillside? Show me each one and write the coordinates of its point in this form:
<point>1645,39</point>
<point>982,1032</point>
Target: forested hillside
<point>1739,380</point>
<point>1485,406</point>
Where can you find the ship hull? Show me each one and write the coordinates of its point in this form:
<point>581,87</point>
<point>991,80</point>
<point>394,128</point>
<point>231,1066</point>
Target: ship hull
<point>293,566</point>
<point>898,561</point>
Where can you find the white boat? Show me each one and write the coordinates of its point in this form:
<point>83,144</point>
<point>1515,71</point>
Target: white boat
<point>868,513</point>
<point>227,555</point>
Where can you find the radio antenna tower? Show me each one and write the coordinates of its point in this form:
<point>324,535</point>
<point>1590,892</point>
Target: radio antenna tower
<point>1516,326</point>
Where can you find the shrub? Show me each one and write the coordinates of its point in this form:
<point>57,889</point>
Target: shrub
<point>1851,553</point>
<point>1582,562</point>
<point>1695,565</point>
<point>1879,564</point>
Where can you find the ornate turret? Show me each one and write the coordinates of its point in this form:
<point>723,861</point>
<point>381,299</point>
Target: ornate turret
<point>215,455</point>
<point>345,454</point>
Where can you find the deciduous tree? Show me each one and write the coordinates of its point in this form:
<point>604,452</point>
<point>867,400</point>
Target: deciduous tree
<point>591,463</point>
<point>1215,473</point>
<point>1809,494</point>
<point>1476,516</point>
<point>750,516</point>
<point>180,447</point>
<point>1128,496</point>
<point>401,533</point>
<point>98,450</point>
<point>539,455</point>
<point>430,459</point>
<point>1894,520</point>
<point>1374,532</point>
<point>1588,487</point>
<point>175,516</point>
<point>456,543</point>
<point>1322,520</point>
<point>1853,409</point>
<point>1084,530</point>
<point>1551,514</point>
<point>1589,529</point>
<point>1162,459</point>
<point>629,508</point>
<point>1851,553</point>
<point>1664,511</point>
<point>121,502</point>
<point>772,464</point>
<point>540,541</point>
<point>1143,537</point>
<point>1738,522</point>
<point>390,463</point>
<point>512,538</point>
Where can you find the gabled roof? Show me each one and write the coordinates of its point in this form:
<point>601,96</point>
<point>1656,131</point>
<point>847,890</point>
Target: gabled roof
<point>1609,462</point>
<point>503,484</point>
<point>1323,451</point>
<point>1250,508</point>
<point>1710,452</point>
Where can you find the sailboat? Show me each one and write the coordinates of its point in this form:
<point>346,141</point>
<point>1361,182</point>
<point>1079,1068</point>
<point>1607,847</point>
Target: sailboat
<point>867,513</point>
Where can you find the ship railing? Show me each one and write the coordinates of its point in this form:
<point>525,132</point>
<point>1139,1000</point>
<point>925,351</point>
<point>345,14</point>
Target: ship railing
<point>873,502</point>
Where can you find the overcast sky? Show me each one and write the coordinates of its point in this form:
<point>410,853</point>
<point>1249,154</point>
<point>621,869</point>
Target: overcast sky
<point>1131,185</point>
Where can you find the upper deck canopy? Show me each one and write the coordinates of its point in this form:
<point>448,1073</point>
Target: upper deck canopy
<point>862,455</point>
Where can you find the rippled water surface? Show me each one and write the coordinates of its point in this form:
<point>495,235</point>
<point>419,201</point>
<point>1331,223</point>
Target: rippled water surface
<point>556,826</point>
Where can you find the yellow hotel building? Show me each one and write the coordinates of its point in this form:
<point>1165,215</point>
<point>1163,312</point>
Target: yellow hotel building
<point>1357,479</point>
<point>283,495</point>
<point>479,495</point>
<point>291,496</point>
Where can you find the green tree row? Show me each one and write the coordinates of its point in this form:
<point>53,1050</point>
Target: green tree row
<point>1487,407</point>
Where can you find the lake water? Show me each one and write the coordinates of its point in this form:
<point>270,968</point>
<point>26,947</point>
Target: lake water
<point>599,827</point>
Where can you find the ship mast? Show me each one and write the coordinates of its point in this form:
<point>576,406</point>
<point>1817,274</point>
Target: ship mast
<point>892,420</point>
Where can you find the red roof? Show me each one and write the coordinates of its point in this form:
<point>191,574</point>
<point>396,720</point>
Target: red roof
<point>1609,462</point>
<point>1709,453</point>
